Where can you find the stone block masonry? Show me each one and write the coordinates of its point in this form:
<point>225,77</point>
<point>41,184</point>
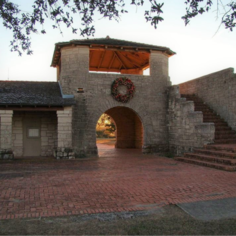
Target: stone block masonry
<point>64,132</point>
<point>6,134</point>
<point>217,90</point>
<point>6,154</point>
<point>6,129</point>
<point>17,134</point>
<point>48,134</point>
<point>64,153</point>
<point>186,128</point>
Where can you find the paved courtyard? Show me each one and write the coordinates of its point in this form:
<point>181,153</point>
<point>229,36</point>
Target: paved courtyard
<point>120,180</point>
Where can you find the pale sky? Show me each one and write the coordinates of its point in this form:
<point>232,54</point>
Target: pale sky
<point>199,50</point>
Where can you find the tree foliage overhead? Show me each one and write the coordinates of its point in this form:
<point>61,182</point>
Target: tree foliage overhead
<point>61,12</point>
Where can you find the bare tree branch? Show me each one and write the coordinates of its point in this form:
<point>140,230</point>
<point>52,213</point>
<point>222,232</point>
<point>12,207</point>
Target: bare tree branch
<point>60,12</point>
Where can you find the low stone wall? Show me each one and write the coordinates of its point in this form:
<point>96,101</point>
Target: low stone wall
<point>6,154</point>
<point>186,128</point>
<point>217,90</point>
<point>64,153</point>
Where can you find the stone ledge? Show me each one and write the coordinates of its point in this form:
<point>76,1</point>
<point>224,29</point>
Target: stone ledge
<point>6,154</point>
<point>63,153</point>
<point>159,148</point>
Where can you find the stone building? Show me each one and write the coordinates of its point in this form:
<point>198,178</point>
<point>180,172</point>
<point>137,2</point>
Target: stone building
<point>96,76</point>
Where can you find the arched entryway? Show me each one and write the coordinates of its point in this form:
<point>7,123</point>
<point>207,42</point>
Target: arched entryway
<point>129,128</point>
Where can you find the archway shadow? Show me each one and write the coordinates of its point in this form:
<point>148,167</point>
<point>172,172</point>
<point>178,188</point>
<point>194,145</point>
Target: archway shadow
<point>105,150</point>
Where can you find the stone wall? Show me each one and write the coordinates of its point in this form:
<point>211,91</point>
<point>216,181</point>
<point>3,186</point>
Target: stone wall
<point>6,129</point>
<point>138,132</point>
<point>17,133</point>
<point>48,134</point>
<point>149,101</point>
<point>64,130</point>
<point>6,151</point>
<point>186,128</point>
<point>218,91</point>
<point>48,131</point>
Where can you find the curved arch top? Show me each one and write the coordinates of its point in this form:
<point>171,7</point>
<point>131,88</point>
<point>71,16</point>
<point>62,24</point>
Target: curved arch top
<point>129,127</point>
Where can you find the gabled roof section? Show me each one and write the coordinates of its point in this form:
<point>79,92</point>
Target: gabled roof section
<point>108,43</point>
<point>24,93</point>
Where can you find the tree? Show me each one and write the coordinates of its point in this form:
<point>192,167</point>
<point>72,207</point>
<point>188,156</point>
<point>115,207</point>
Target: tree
<point>105,126</point>
<point>62,11</point>
<point>111,128</point>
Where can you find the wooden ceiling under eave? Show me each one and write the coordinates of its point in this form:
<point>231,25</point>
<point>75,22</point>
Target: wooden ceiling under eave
<point>118,60</point>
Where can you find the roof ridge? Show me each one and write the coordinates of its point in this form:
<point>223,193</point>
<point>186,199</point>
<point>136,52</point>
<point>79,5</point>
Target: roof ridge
<point>28,81</point>
<point>110,38</point>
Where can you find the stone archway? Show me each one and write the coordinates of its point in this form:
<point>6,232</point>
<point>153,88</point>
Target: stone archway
<point>129,127</point>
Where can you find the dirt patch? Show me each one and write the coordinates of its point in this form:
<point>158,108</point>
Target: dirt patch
<point>167,220</point>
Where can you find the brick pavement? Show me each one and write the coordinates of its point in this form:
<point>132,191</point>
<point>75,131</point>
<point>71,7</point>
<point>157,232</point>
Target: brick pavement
<point>120,180</point>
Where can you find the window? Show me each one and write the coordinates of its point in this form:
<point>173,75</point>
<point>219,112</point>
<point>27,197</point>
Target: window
<point>33,133</point>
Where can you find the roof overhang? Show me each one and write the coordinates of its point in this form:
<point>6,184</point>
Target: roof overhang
<point>108,44</point>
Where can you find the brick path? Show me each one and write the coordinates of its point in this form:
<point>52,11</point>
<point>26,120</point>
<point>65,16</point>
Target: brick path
<point>120,180</point>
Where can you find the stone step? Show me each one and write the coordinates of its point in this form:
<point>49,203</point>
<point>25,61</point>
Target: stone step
<point>211,115</point>
<point>219,153</point>
<point>199,104</point>
<point>213,118</point>
<point>219,126</point>
<point>189,96</point>
<point>222,128</point>
<point>225,141</point>
<point>221,148</point>
<point>207,164</point>
<point>210,158</point>
<point>224,131</point>
<point>204,110</point>
<point>225,136</point>
<point>217,123</point>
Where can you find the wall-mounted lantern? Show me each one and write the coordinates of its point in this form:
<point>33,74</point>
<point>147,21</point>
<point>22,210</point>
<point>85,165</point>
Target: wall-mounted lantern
<point>80,90</point>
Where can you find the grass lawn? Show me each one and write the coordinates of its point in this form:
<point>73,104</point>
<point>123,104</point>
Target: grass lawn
<point>169,220</point>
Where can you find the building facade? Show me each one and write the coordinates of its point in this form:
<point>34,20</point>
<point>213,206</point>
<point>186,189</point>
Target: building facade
<point>97,76</point>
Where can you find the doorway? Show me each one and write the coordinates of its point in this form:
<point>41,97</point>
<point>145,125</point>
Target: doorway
<point>32,137</point>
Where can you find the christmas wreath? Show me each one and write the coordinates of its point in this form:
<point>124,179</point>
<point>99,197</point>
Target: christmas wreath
<point>130,89</point>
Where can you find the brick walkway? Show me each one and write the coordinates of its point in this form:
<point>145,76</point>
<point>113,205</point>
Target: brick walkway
<point>120,180</point>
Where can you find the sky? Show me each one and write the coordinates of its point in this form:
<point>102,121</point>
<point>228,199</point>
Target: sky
<point>201,48</point>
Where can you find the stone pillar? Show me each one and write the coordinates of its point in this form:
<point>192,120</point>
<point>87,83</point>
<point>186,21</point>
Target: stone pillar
<point>74,68</point>
<point>159,67</point>
<point>64,134</point>
<point>156,132</point>
<point>159,64</point>
<point>6,134</point>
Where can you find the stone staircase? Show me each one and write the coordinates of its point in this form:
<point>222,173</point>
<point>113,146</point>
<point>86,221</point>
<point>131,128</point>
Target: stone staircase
<point>221,154</point>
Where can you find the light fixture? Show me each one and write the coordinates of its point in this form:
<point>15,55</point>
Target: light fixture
<point>80,90</point>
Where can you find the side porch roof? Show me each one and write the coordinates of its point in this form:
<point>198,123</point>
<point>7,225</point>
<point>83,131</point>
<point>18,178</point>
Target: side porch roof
<point>24,93</point>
